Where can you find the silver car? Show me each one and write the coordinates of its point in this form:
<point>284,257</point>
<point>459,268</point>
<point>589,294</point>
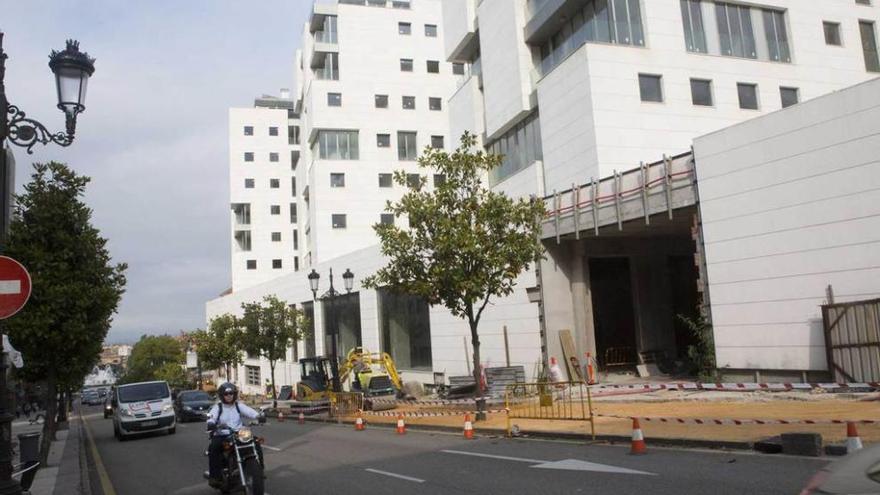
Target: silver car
<point>856,474</point>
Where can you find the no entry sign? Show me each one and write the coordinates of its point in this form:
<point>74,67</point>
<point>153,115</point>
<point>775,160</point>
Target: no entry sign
<point>15,287</point>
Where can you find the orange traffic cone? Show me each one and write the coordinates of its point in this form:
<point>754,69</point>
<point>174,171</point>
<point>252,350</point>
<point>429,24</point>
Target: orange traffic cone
<point>591,377</point>
<point>280,417</point>
<point>853,442</point>
<point>359,422</point>
<point>302,418</point>
<point>468,427</point>
<point>638,440</point>
<point>401,426</point>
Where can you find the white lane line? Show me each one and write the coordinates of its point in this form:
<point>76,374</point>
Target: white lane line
<point>394,475</point>
<point>276,449</point>
<point>565,464</point>
<point>490,456</point>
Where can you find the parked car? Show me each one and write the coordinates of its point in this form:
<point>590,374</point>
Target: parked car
<point>192,405</point>
<point>142,407</point>
<point>858,472</point>
<point>91,398</point>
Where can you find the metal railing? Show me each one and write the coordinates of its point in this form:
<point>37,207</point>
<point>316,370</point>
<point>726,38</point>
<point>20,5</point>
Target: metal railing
<point>544,400</point>
<point>344,404</point>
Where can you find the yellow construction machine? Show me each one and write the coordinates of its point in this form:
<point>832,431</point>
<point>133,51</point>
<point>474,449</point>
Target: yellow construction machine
<point>372,374</point>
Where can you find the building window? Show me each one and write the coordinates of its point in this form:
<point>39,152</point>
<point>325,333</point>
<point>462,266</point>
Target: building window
<point>406,65</point>
<point>386,219</point>
<point>409,102</point>
<point>406,146</point>
<point>274,183</point>
<point>701,92</point>
<point>253,375</point>
<point>789,96</point>
<point>748,96</point>
<point>273,131</point>
<point>337,180</point>
<point>276,264</point>
<point>276,236</point>
<point>337,145</point>
<point>248,156</point>
<point>338,221</point>
<point>458,69</point>
<point>381,101</point>
<point>431,30</point>
<point>248,130</point>
<point>327,34</point>
<point>329,67</point>
<point>292,212</point>
<point>433,66</point>
<point>863,2</point>
<point>293,134</point>
<point>296,269</point>
<point>385,180</point>
<point>251,264</point>
<point>293,186</point>
<point>439,180</point>
<point>273,156</point>
<point>869,46</point>
<point>275,209</point>
<point>735,30</point>
<point>404,28</point>
<point>413,181</point>
<point>334,99</point>
<point>243,240</point>
<point>650,88</point>
<point>435,103</point>
<point>694,32</point>
<point>406,330</point>
<point>295,239</point>
<point>437,142</point>
<point>519,148</point>
<point>383,140</point>
<point>401,4</point>
<point>249,183</point>
<point>242,213</point>
<point>832,33</point>
<point>777,36</point>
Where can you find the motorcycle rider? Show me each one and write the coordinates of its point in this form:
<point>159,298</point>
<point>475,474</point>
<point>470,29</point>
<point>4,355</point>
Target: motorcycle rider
<point>229,412</point>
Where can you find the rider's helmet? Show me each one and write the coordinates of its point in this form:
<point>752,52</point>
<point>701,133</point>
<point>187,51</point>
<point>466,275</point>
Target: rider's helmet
<point>227,389</point>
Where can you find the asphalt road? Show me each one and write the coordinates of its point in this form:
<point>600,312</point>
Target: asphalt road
<point>329,459</point>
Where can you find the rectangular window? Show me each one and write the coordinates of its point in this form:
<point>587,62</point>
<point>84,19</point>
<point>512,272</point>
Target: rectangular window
<point>381,101</point>
<point>343,319</point>
<point>249,183</point>
<point>413,180</point>
<point>439,180</point>
<point>431,30</point>
<point>276,236</point>
<point>406,65</point>
<point>869,46</point>
<point>337,145</point>
<point>383,140</point>
<point>735,30</point>
<point>627,22</point>
<point>437,142</point>
<point>409,102</point>
<point>435,103</point>
<point>406,330</point>
<point>292,212</point>
<point>404,28</point>
<point>832,33</point>
<point>293,186</point>
<point>433,66</point>
<point>650,88</point>
<point>694,32</point>
<point>248,130</point>
<point>701,92</point>
<point>251,264</point>
<point>243,239</point>
<point>748,96</point>
<point>293,134</point>
<point>777,36</point>
<point>338,221</point>
<point>276,264</point>
<point>337,180</point>
<point>248,156</point>
<point>386,219</point>
<point>789,96</point>
<point>274,183</point>
<point>273,156</point>
<point>334,99</point>
<point>242,213</point>
<point>385,180</point>
<point>273,131</point>
<point>329,70</point>
<point>519,147</point>
<point>275,209</point>
<point>406,146</point>
<point>458,69</point>
<point>863,2</point>
<point>295,239</point>
<point>295,268</point>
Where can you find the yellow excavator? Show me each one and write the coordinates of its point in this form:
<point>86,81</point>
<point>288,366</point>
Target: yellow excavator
<point>372,374</point>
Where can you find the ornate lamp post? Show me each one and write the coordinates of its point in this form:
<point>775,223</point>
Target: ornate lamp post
<point>330,297</point>
<point>72,69</point>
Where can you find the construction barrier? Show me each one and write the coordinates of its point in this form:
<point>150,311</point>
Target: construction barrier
<point>740,387</point>
<point>737,422</point>
<point>543,400</point>
<point>345,403</point>
<point>432,402</point>
<point>429,414</point>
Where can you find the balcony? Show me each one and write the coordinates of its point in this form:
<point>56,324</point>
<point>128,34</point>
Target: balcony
<point>460,23</point>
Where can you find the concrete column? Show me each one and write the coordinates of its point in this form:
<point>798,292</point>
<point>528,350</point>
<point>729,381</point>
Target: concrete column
<point>582,302</point>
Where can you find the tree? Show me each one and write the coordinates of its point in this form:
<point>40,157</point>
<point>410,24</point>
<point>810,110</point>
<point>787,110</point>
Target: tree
<point>270,329</point>
<point>465,243</point>
<point>76,288</point>
<point>221,345</point>
<point>150,354</point>
<point>174,374</point>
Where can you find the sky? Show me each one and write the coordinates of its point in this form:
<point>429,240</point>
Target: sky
<point>154,136</point>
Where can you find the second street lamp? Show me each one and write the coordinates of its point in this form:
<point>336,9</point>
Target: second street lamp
<point>329,297</point>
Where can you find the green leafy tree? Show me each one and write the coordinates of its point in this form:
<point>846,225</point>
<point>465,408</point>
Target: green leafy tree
<point>75,286</point>
<point>150,354</point>
<point>221,345</point>
<point>270,329</point>
<point>465,243</point>
<point>174,374</point>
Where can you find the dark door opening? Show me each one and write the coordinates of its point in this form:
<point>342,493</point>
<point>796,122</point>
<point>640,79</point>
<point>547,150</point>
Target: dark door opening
<point>613,314</point>
<point>685,298</point>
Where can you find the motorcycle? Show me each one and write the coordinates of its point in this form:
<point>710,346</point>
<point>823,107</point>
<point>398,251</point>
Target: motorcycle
<point>242,468</point>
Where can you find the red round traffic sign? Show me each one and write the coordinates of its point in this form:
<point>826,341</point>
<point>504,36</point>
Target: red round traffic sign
<point>15,287</point>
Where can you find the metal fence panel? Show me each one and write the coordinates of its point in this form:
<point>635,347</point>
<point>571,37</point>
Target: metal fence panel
<point>852,340</point>
<point>345,403</point>
<point>548,401</point>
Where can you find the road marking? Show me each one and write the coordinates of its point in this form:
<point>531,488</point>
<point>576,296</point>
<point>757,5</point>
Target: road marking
<point>565,464</point>
<point>276,449</point>
<point>394,475</point>
<point>10,287</point>
<point>106,485</point>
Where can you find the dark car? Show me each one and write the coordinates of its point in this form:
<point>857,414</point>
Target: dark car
<point>192,405</point>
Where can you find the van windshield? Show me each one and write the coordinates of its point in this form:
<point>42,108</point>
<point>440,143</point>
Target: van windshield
<point>143,391</point>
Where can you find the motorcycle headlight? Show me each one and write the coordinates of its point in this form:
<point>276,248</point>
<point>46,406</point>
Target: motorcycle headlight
<point>245,435</point>
<point>167,407</point>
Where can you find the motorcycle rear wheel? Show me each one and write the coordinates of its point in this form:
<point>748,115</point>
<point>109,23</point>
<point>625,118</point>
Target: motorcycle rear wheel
<point>253,476</point>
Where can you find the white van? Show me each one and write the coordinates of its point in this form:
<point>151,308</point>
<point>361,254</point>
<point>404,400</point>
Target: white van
<point>142,407</point>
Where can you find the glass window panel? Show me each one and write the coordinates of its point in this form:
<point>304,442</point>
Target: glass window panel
<point>723,29</point>
<point>603,21</point>
<point>590,22</point>
<point>650,88</point>
<point>383,140</point>
<point>748,34</point>
<point>869,46</point>
<point>431,30</point>
<point>635,23</point>
<point>381,101</point>
<point>404,28</point>
<point>343,313</point>
<point>385,180</point>
<point>406,330</point>
<point>736,39</point>
<point>789,96</point>
<point>701,92</point>
<point>694,33</point>
<point>832,33</point>
<point>748,96</point>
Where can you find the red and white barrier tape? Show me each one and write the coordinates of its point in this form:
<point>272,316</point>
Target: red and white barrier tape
<point>432,402</point>
<point>741,387</point>
<point>738,422</point>
<point>295,410</point>
<point>429,414</point>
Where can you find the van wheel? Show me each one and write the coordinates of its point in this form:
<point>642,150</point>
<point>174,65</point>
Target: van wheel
<point>117,434</point>
<point>172,430</point>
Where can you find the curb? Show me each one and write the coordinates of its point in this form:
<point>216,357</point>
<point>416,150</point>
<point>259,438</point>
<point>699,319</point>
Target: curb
<point>85,484</point>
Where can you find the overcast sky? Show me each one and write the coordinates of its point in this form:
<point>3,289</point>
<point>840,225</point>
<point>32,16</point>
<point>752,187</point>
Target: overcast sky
<point>153,137</point>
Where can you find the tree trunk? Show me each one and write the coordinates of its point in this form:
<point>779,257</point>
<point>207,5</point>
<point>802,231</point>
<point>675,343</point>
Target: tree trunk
<point>274,394</point>
<point>49,427</point>
<point>478,389</point>
<point>62,406</point>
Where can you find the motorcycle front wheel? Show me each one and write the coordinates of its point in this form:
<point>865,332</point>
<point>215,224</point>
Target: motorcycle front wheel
<point>253,477</point>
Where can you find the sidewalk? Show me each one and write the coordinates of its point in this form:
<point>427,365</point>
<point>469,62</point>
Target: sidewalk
<point>63,474</point>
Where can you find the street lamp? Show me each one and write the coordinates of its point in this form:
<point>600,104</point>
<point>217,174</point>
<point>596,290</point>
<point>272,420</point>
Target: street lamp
<point>72,69</point>
<point>330,297</point>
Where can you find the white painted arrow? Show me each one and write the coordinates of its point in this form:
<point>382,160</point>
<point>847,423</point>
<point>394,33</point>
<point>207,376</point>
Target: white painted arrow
<point>566,464</point>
